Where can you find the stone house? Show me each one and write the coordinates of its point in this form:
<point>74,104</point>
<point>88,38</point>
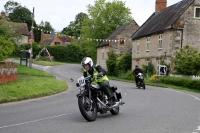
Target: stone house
<point>53,39</point>
<point>167,30</point>
<point>18,28</point>
<point>119,41</point>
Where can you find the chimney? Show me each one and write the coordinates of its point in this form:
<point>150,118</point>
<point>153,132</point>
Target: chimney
<point>161,4</point>
<point>3,15</point>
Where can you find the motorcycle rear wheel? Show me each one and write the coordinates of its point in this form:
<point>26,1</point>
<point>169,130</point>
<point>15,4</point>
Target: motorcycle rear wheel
<point>87,108</point>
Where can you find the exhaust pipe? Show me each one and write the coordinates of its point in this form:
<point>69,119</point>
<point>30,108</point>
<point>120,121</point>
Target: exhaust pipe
<point>115,105</point>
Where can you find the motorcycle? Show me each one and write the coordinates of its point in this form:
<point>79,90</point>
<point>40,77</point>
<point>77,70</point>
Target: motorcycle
<point>140,80</point>
<point>91,99</point>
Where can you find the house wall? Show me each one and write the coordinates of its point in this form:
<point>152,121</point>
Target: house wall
<point>56,39</point>
<point>23,40</point>
<point>191,25</point>
<point>126,34</point>
<point>154,53</point>
<point>102,56</point>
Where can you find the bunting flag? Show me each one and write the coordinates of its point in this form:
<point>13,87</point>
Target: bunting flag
<point>79,38</point>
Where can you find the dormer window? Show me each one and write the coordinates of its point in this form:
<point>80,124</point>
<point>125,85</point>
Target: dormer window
<point>197,12</point>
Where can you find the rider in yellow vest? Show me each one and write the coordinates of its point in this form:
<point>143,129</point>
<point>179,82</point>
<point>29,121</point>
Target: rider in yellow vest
<point>98,75</point>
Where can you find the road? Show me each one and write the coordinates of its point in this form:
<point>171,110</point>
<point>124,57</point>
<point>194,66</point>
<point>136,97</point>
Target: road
<point>154,110</point>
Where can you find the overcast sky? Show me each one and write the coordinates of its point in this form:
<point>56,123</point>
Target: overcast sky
<point>60,12</point>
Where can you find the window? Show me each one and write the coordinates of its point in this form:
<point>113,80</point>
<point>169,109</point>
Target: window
<point>148,43</point>
<point>147,63</point>
<point>57,43</point>
<point>138,46</point>
<point>197,12</point>
<point>121,40</point>
<point>160,41</point>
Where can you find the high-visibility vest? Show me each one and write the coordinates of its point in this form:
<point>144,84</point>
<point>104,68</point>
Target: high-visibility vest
<point>94,78</point>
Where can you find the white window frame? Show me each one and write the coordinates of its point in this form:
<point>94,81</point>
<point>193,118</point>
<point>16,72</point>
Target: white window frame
<point>195,10</point>
<point>147,62</point>
<point>138,46</point>
<point>148,44</point>
<point>160,40</point>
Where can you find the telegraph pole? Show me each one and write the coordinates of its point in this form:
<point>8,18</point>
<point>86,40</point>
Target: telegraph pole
<point>31,50</point>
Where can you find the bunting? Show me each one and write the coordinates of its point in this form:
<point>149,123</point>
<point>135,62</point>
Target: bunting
<point>79,38</point>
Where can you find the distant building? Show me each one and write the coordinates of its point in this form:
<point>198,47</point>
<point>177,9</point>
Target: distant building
<point>53,39</point>
<point>119,41</point>
<point>18,28</point>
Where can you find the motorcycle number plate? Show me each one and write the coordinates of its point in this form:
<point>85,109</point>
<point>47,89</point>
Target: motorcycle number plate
<point>81,81</point>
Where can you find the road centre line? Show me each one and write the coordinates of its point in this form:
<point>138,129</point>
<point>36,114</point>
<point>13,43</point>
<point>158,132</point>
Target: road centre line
<point>37,120</point>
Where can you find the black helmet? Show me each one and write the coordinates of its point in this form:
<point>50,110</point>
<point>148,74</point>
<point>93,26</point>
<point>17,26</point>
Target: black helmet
<point>136,65</point>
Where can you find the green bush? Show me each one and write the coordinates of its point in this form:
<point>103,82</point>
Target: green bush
<point>183,82</point>
<point>124,62</point>
<point>128,75</point>
<point>111,63</point>
<point>149,69</point>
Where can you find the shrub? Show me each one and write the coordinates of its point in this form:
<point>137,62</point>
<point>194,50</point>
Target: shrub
<point>124,62</point>
<point>111,63</point>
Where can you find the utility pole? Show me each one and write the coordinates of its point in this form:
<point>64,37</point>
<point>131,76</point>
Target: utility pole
<point>31,50</point>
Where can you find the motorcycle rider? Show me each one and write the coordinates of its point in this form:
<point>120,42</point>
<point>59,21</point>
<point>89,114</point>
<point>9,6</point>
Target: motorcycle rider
<point>100,73</point>
<point>135,73</point>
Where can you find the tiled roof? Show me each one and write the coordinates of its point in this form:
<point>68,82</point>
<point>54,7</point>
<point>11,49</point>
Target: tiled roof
<point>162,19</point>
<point>113,34</point>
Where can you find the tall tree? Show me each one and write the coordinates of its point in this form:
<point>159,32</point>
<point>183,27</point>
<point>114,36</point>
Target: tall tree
<point>21,14</point>
<point>74,27</point>
<point>104,18</point>
<point>10,6</point>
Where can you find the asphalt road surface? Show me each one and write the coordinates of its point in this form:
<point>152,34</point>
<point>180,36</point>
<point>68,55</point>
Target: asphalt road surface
<point>154,110</point>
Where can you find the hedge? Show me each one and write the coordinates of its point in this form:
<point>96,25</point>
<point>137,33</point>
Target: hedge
<point>183,82</point>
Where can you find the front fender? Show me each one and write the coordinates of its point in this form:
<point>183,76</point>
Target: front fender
<point>82,93</point>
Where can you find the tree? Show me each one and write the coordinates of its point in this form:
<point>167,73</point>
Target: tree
<point>10,6</point>
<point>22,15</point>
<point>74,27</point>
<point>104,17</point>
<point>6,40</point>
<point>124,62</point>
<point>111,63</point>
<point>187,61</point>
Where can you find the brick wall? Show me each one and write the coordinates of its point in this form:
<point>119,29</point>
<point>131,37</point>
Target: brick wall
<point>8,72</point>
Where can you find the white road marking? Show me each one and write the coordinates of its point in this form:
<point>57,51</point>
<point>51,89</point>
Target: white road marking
<point>45,67</point>
<point>198,129</point>
<point>18,124</point>
<point>185,93</point>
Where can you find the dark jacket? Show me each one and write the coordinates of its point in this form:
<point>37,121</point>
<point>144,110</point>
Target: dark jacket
<point>98,68</point>
<point>136,71</point>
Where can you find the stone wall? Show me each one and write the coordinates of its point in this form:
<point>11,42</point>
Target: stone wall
<point>8,71</point>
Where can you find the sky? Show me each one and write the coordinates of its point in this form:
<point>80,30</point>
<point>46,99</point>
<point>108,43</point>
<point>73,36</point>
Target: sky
<point>60,12</point>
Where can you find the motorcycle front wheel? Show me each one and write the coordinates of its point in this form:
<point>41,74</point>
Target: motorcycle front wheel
<point>87,108</point>
<point>115,111</point>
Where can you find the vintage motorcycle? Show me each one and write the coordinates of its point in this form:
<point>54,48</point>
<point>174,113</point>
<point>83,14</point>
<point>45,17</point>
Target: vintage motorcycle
<point>140,80</point>
<point>92,100</point>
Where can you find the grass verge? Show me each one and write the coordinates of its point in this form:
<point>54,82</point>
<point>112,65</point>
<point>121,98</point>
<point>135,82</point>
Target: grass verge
<point>31,83</point>
<point>147,82</point>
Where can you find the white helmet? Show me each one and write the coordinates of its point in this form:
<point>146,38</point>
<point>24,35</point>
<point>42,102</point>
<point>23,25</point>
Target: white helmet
<point>87,60</point>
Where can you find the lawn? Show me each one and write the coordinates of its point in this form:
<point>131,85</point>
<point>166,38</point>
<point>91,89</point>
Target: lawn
<point>31,83</point>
